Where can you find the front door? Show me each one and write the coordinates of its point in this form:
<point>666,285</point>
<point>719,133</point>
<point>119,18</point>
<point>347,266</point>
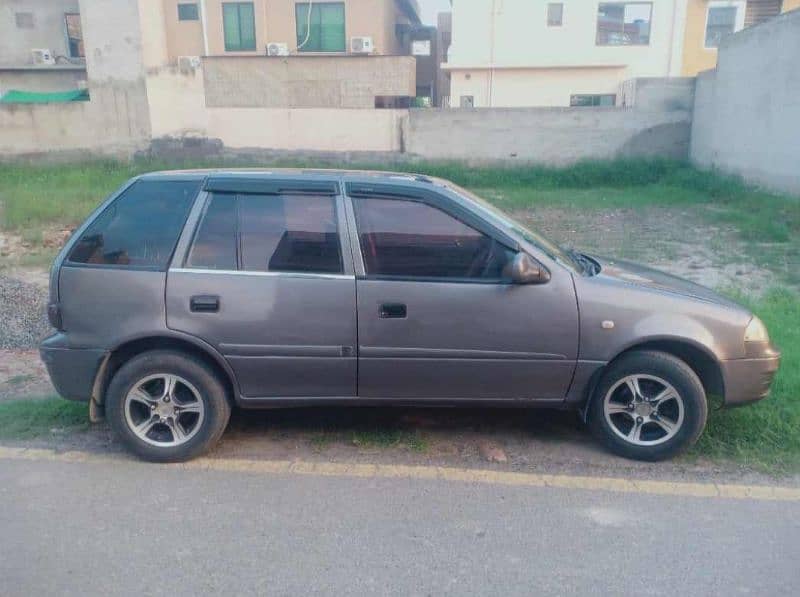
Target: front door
<point>265,282</point>
<point>438,317</point>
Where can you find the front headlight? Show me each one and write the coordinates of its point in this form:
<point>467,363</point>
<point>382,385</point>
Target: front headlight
<point>756,331</point>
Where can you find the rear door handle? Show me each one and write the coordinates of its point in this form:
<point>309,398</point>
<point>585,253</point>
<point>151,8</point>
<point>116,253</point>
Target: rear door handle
<point>204,304</point>
<point>392,311</point>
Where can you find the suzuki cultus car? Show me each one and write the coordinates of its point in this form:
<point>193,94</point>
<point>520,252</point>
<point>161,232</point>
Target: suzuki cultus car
<point>187,293</point>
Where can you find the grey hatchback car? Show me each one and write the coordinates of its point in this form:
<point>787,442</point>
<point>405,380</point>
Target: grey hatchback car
<point>186,293</point>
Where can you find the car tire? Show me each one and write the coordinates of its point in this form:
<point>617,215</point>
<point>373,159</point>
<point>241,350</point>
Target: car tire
<point>640,426</point>
<point>156,389</point>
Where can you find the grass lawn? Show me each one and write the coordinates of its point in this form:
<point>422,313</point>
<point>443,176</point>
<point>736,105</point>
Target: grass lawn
<point>28,419</point>
<point>35,200</point>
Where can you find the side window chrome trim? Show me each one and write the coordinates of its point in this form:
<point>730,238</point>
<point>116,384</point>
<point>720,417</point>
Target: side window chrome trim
<point>232,272</point>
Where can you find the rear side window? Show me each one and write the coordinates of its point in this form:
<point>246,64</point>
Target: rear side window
<point>268,233</point>
<point>409,239</point>
<point>140,228</point>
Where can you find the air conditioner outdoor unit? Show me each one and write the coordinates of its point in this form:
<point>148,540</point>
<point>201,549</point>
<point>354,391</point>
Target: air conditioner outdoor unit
<point>42,56</point>
<point>188,63</point>
<point>277,49</point>
<point>361,45</point>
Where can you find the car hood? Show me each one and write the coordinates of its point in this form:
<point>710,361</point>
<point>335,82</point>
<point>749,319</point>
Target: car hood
<point>641,276</point>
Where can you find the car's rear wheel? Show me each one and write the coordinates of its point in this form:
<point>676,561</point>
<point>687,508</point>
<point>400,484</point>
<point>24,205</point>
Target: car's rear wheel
<point>167,406</point>
<point>649,406</point>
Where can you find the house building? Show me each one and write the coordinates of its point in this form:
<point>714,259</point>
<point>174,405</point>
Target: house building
<point>41,45</point>
<point>444,30</point>
<point>708,21</point>
<point>514,53</point>
<point>222,28</point>
<point>330,41</point>
<point>510,53</point>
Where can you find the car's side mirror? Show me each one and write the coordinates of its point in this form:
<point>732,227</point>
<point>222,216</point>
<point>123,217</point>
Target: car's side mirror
<point>526,270</point>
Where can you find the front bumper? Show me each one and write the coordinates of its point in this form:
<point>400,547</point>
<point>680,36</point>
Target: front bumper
<point>749,380</point>
<point>72,370</point>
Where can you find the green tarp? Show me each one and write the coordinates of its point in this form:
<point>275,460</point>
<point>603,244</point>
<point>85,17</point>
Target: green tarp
<point>34,97</point>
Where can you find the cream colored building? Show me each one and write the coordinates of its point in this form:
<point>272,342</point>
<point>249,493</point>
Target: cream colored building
<point>513,53</point>
<point>508,53</point>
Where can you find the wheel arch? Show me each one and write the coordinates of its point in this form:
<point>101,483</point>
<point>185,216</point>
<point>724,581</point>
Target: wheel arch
<point>123,352</point>
<point>698,357</point>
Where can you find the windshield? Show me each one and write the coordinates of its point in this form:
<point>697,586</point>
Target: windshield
<point>502,219</point>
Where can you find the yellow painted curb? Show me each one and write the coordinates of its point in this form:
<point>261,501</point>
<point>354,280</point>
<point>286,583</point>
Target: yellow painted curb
<point>392,471</point>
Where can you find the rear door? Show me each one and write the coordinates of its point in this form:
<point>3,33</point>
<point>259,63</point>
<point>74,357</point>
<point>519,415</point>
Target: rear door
<point>438,316</point>
<point>267,280</point>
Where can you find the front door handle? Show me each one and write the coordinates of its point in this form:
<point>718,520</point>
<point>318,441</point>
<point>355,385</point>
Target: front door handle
<point>392,311</point>
<point>204,304</point>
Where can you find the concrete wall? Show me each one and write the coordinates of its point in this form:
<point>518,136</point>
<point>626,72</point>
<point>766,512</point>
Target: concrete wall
<point>48,31</point>
<point>658,94</point>
<point>306,81</point>
<point>747,113</point>
<point>59,78</point>
<point>547,135</point>
<point>178,109</point>
<point>117,120</point>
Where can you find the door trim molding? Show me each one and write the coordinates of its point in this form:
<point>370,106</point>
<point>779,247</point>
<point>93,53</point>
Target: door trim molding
<point>232,272</point>
<point>391,352</point>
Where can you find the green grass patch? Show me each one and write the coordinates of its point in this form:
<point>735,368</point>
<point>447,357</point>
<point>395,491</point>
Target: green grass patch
<point>765,435</point>
<point>28,419</point>
<point>33,198</point>
<point>388,437</point>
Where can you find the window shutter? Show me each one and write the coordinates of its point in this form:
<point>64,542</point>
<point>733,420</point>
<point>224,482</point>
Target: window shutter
<point>759,11</point>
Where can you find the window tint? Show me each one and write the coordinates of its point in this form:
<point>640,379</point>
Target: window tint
<point>593,100</point>
<point>74,35</point>
<point>289,234</point>
<point>273,233</point>
<point>239,25</point>
<point>326,21</point>
<point>624,23</point>
<point>721,21</point>
<point>412,239</point>
<point>188,12</point>
<point>140,228</point>
<point>555,14</point>
<point>215,242</point>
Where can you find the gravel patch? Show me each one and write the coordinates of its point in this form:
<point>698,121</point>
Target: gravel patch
<point>23,313</point>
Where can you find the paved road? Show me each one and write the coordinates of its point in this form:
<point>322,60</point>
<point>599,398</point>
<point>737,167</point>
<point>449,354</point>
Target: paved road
<point>126,528</point>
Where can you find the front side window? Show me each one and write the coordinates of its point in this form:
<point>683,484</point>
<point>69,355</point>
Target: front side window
<point>140,228</point>
<point>268,233</point>
<point>723,18</point>
<point>409,239</point>
<point>624,23</point>
<point>323,29</point>
<point>239,23</point>
<point>72,22</point>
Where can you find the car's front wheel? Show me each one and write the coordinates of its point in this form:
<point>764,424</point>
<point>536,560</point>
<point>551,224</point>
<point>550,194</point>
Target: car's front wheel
<point>167,406</point>
<point>649,406</point>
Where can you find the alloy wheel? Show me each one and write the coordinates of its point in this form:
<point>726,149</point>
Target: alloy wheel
<point>164,410</point>
<point>644,410</point>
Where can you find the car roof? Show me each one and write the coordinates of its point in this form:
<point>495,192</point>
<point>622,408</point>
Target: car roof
<point>309,174</point>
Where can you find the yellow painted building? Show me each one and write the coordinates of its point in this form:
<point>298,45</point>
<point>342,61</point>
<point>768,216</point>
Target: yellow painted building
<point>707,21</point>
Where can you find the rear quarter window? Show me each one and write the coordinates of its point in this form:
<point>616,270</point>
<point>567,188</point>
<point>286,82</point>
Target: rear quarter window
<point>140,228</point>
